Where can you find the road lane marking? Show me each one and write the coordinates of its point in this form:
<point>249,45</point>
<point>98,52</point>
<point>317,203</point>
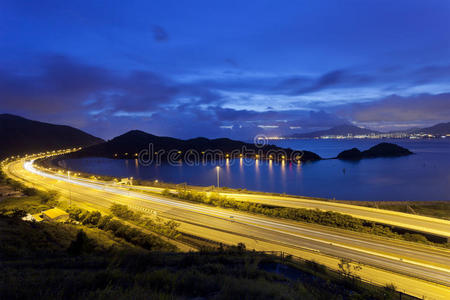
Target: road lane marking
<point>254,221</point>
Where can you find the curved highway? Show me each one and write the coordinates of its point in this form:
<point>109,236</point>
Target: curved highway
<point>428,263</point>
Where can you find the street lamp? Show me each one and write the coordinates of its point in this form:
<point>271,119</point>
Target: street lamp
<point>218,169</point>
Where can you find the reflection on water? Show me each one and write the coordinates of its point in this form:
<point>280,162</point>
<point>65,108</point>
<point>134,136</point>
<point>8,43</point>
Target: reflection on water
<point>423,176</point>
<point>136,167</point>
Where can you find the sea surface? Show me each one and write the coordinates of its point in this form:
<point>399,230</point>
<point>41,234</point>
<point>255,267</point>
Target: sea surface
<point>424,176</point>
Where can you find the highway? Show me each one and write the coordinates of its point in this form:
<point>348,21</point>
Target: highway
<point>429,263</point>
<point>418,223</point>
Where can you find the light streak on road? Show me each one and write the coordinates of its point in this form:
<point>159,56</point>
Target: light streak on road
<point>236,217</point>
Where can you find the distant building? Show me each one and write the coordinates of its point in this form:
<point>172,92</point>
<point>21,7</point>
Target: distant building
<point>55,215</point>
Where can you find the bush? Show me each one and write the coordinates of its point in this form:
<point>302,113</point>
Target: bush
<point>123,212</point>
<point>49,197</point>
<point>415,237</point>
<point>75,213</point>
<point>103,222</point>
<point>92,218</point>
<point>30,191</point>
<point>81,244</point>
<point>168,229</point>
<point>118,229</point>
<point>18,213</point>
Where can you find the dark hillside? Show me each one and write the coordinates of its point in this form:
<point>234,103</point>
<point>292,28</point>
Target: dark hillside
<point>130,144</point>
<point>22,136</point>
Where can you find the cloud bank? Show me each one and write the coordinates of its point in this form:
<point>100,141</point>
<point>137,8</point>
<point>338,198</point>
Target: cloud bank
<point>105,102</point>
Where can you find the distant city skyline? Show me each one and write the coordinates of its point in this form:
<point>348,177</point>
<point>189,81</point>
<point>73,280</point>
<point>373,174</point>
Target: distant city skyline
<point>226,69</point>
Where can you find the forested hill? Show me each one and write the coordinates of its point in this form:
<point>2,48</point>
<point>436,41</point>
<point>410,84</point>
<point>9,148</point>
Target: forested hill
<point>131,143</point>
<point>438,129</point>
<point>22,136</point>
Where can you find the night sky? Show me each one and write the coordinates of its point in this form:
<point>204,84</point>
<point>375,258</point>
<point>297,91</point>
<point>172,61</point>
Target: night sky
<point>226,68</point>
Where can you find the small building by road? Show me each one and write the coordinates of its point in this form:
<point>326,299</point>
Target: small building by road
<point>55,215</point>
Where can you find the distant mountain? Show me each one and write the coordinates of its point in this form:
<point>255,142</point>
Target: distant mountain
<point>22,136</point>
<point>380,150</point>
<point>131,143</point>
<point>405,131</point>
<point>337,130</point>
<point>438,129</point>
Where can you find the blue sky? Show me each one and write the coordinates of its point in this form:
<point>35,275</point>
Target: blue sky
<point>226,68</point>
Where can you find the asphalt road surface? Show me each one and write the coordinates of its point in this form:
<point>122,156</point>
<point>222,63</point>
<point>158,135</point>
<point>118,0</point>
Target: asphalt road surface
<point>422,261</point>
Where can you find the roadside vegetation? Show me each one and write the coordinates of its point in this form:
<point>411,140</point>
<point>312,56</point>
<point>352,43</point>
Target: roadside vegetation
<point>168,228</point>
<point>435,209</point>
<point>119,229</point>
<point>33,200</point>
<point>36,201</point>
<point>326,218</point>
<point>53,260</point>
<point>98,256</point>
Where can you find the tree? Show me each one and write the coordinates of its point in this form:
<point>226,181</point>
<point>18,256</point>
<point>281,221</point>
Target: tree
<point>81,244</point>
<point>241,247</point>
<point>92,218</point>
<point>30,191</point>
<point>18,213</point>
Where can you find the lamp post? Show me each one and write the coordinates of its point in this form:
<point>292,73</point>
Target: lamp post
<point>70,190</point>
<point>131,184</point>
<point>218,169</point>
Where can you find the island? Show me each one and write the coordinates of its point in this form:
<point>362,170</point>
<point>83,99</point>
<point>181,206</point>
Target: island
<point>380,150</point>
<point>132,144</point>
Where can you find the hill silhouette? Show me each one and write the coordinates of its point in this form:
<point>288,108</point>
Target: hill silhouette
<point>22,136</point>
<point>380,150</point>
<point>438,129</point>
<point>130,144</point>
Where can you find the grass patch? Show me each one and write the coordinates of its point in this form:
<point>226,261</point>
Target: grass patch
<point>326,218</point>
<point>30,204</point>
<point>39,263</point>
<point>167,229</point>
<point>119,229</point>
<point>435,209</point>
<point>19,239</point>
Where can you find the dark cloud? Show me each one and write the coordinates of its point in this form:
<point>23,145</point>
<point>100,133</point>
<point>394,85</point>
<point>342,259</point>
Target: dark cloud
<point>58,83</point>
<point>232,62</point>
<point>431,73</point>
<point>295,84</point>
<point>159,33</point>
<point>389,79</point>
<point>416,108</point>
<point>68,91</point>
<point>336,78</point>
<point>284,120</point>
<point>105,102</point>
